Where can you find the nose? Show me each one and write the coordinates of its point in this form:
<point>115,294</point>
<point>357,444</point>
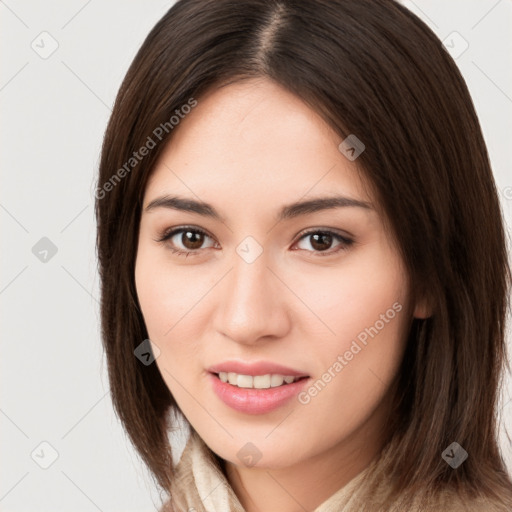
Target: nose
<point>252,303</point>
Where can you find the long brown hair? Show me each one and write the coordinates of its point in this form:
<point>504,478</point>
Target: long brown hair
<point>368,67</point>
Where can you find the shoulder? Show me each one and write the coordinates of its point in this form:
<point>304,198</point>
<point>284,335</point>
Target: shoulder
<point>447,500</point>
<point>451,501</point>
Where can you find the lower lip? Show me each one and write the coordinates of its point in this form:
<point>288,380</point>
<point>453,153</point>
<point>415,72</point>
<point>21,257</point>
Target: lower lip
<point>255,401</point>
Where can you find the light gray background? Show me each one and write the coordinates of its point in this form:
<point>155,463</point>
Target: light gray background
<point>54,112</point>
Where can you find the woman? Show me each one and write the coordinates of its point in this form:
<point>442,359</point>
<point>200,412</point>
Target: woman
<point>302,257</point>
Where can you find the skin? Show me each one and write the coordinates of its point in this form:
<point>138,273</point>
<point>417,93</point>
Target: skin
<point>248,149</point>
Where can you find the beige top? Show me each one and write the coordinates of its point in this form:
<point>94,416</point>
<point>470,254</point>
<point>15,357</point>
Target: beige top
<point>200,486</point>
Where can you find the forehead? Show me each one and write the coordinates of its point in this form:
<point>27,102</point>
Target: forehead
<point>250,140</point>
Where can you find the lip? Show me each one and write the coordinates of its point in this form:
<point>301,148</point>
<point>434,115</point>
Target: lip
<point>257,368</point>
<point>255,401</point>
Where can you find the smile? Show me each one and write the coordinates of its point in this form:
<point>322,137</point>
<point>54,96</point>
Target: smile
<point>245,397</point>
<point>257,381</point>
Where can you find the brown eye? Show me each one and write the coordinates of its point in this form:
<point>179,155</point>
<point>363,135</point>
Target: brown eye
<point>322,241</point>
<point>185,241</point>
<point>192,239</point>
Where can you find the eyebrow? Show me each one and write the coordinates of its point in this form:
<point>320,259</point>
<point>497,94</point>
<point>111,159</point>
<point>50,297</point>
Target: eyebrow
<point>287,212</point>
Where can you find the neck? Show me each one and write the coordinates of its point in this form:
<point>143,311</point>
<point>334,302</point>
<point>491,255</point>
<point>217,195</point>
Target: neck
<point>308,483</point>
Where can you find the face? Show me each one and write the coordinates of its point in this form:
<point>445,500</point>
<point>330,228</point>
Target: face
<point>303,310</point>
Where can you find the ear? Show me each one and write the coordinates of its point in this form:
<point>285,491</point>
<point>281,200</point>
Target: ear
<point>423,308</point>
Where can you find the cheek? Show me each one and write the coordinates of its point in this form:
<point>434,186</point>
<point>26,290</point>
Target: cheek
<point>153,293</point>
<point>170,298</point>
<point>363,304</point>
<point>367,291</point>
<point>164,295</point>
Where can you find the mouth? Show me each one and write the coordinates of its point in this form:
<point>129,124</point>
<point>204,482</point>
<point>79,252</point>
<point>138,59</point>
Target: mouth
<point>267,381</point>
<point>256,388</point>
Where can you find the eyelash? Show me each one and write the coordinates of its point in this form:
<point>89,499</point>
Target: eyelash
<point>168,234</point>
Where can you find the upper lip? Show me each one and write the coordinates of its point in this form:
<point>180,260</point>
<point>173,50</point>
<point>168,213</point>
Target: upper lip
<point>256,368</point>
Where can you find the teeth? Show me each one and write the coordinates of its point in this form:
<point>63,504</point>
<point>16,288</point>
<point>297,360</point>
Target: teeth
<point>244,381</point>
<point>256,382</point>
<point>261,381</point>
<point>276,380</point>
